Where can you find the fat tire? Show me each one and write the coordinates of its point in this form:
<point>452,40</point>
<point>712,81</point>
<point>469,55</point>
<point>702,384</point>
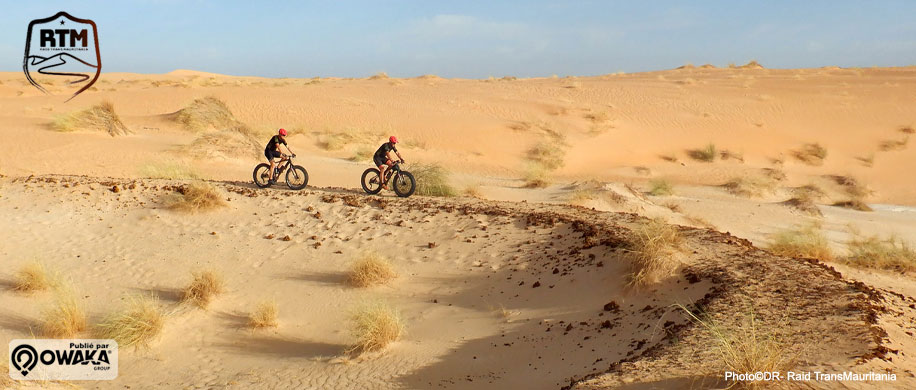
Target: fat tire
<point>364,177</point>
<point>255,175</point>
<point>404,192</point>
<point>301,170</point>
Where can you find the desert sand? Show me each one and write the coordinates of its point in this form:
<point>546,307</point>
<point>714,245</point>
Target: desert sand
<point>508,284</point>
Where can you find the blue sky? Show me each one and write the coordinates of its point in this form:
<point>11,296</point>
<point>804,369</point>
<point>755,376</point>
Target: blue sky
<point>475,39</point>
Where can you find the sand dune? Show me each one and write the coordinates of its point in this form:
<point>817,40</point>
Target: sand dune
<point>509,295</point>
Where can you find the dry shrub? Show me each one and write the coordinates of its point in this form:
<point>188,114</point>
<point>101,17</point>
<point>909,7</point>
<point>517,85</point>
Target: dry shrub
<point>750,186</point>
<point>375,325</point>
<point>136,325</point>
<point>33,276</point>
<point>811,154</point>
<point>889,253</point>
<point>232,142</point>
<point>432,180</point>
<point>536,176</point>
<point>751,65</point>
<point>891,145</point>
<point>168,169</point>
<point>473,191</point>
<point>807,242</point>
<point>852,186</point>
<point>100,117</point>
<point>705,154</point>
<point>66,318</point>
<point>362,153</point>
<point>548,155</point>
<point>660,187</point>
<point>854,204</point>
<point>371,269</point>
<point>908,130</point>
<point>204,286</point>
<point>747,346</point>
<point>194,197</point>
<point>804,202</point>
<point>264,316</point>
<point>652,249</point>
<point>205,113</point>
<point>811,191</point>
<point>379,76</point>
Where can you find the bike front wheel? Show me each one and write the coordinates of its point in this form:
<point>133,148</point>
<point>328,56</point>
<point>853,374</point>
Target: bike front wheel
<point>404,184</point>
<point>297,177</point>
<point>371,181</point>
<point>261,175</point>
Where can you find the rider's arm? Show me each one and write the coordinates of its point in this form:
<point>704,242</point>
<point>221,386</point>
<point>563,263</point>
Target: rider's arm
<point>399,155</point>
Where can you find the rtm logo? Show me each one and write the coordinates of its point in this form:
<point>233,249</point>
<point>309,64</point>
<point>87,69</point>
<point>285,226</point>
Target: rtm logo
<point>62,48</point>
<point>50,38</point>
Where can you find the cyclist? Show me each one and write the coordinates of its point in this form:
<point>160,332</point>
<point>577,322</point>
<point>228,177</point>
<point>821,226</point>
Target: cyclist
<point>272,151</point>
<point>382,157</point>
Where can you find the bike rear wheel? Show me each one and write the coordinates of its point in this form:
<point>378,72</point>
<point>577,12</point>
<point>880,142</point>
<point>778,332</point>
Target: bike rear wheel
<point>371,181</point>
<point>297,177</point>
<point>261,175</point>
<point>404,184</point>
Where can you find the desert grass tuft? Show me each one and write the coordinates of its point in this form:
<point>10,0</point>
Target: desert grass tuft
<point>101,116</point>
<point>889,253</point>
<point>369,270</point>
<point>33,276</point>
<point>66,318</point>
<point>379,76</point>
<point>907,130</point>
<point>264,316</point>
<point>806,241</point>
<point>705,154</point>
<point>652,249</point>
<point>432,180</point>
<point>804,201</point>
<point>204,286</point>
<point>136,325</point>
<point>375,325</point>
<point>205,113</point>
<point>892,145</point>
<point>194,197</point>
<point>750,186</point>
<point>473,191</point>
<point>748,346</point>
<point>362,153</point>
<point>536,176</point>
<point>660,187</point>
<point>548,155</point>
<point>811,154</point>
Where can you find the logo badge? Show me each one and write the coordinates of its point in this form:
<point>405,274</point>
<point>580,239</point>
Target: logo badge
<point>52,359</point>
<point>62,54</point>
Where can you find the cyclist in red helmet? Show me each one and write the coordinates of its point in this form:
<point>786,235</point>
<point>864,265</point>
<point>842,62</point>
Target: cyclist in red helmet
<point>382,157</point>
<point>272,151</point>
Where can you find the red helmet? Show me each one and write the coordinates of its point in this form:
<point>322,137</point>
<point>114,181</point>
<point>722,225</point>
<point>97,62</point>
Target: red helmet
<point>393,139</point>
<point>283,132</point>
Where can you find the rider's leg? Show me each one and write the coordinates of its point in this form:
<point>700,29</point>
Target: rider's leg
<point>272,165</point>
<point>381,175</point>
